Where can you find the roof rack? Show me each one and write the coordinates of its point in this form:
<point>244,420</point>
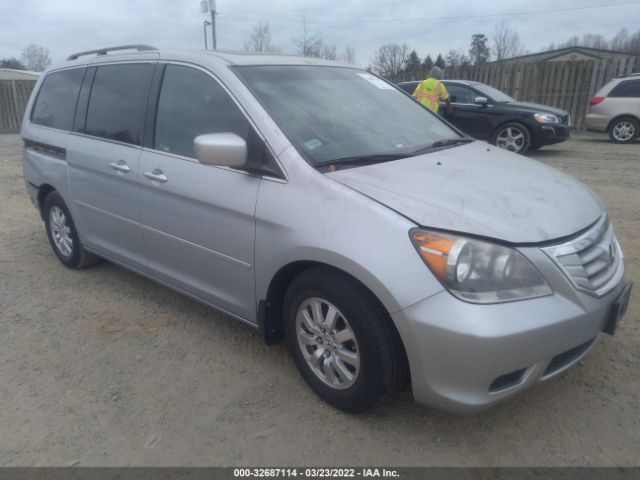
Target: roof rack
<point>104,51</point>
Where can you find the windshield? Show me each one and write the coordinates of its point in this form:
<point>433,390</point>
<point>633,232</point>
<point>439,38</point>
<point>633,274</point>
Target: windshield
<point>493,93</point>
<point>333,113</point>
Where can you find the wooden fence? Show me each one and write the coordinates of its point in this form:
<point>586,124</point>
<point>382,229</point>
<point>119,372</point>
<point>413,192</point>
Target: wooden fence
<point>567,85</point>
<point>14,95</point>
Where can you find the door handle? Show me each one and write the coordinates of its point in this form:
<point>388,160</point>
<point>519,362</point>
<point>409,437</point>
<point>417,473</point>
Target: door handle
<point>156,175</point>
<point>120,166</point>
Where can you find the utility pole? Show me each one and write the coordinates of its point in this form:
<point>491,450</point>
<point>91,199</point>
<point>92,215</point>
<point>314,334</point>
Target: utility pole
<point>204,29</point>
<point>212,7</point>
<point>209,6</point>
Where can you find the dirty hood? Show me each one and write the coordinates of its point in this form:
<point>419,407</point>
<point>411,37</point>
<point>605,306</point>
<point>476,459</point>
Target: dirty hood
<point>479,189</point>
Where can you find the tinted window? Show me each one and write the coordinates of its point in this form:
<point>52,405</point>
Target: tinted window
<point>629,88</point>
<point>459,94</point>
<point>192,103</point>
<point>409,87</point>
<point>118,101</point>
<point>56,102</point>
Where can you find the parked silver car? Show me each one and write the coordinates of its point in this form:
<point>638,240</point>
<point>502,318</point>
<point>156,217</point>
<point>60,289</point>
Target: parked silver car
<point>615,109</point>
<point>318,203</point>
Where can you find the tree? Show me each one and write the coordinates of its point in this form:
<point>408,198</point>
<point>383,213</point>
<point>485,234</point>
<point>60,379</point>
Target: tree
<point>313,45</point>
<point>12,63</point>
<point>260,40</point>
<point>413,62</point>
<point>440,62</point>
<point>479,49</point>
<point>390,59</point>
<point>349,55</point>
<point>456,59</point>
<point>427,63</point>
<point>593,40</point>
<point>620,41</point>
<point>506,43</point>
<point>36,58</point>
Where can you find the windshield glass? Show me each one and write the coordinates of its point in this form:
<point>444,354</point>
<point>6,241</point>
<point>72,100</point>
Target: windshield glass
<point>493,93</point>
<point>333,113</point>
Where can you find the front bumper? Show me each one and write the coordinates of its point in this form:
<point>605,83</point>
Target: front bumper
<point>547,134</point>
<point>466,357</point>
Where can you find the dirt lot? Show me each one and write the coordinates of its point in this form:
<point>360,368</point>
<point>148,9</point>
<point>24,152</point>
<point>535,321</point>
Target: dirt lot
<point>103,367</point>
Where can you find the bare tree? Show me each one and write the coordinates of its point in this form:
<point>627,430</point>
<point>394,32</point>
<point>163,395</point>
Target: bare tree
<point>620,41</point>
<point>593,40</point>
<point>349,55</point>
<point>310,44</point>
<point>456,59</point>
<point>390,59</point>
<point>260,40</point>
<point>506,42</point>
<point>36,58</point>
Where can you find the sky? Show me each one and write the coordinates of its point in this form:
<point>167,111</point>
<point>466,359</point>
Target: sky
<point>428,26</point>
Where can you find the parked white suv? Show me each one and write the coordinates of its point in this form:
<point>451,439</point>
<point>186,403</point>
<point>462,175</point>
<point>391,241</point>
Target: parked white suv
<point>615,109</point>
<point>318,203</point>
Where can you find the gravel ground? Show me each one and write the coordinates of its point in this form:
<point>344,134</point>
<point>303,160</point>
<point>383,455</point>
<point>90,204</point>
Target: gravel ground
<point>103,367</point>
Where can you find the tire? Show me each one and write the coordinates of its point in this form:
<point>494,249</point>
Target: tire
<point>362,342</point>
<point>62,234</point>
<point>513,137</point>
<point>624,130</point>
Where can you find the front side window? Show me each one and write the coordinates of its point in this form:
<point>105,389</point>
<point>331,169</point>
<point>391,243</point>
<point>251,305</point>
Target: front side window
<point>333,114</point>
<point>56,102</point>
<point>192,103</point>
<point>118,101</point>
<point>493,93</point>
<point>459,94</point>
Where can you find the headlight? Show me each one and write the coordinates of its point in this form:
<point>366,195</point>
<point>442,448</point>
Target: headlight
<point>479,271</point>
<point>546,118</point>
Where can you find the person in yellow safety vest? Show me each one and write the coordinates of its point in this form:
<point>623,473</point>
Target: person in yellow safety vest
<point>431,91</point>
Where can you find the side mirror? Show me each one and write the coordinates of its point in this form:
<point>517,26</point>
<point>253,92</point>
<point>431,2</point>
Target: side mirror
<point>222,149</point>
<point>481,100</point>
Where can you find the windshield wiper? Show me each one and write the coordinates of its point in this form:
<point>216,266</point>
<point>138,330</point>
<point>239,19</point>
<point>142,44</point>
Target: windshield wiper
<point>362,160</point>
<point>447,142</point>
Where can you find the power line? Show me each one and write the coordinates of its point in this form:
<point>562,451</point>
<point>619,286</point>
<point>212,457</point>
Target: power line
<point>229,17</point>
<point>315,9</point>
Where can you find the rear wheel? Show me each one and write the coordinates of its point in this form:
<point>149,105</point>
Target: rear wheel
<point>342,341</point>
<point>63,235</point>
<point>624,130</point>
<point>513,137</point>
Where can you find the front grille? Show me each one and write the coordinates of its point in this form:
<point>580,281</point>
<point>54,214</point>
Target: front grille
<point>593,261</point>
<point>506,381</point>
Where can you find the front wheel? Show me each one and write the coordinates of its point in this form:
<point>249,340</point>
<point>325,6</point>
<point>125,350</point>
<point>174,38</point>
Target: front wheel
<point>513,137</point>
<point>342,341</point>
<point>624,130</point>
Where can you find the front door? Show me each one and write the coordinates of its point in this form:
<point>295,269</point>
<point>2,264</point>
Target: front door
<point>198,220</point>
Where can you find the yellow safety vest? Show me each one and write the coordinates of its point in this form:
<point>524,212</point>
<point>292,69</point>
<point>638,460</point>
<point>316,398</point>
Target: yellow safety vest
<point>430,93</point>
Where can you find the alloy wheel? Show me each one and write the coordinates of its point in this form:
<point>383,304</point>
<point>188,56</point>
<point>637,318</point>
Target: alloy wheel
<point>328,343</point>
<point>60,231</point>
<point>623,131</point>
<point>511,138</point>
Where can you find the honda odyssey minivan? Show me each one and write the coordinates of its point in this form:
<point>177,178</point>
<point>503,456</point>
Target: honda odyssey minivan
<point>316,202</point>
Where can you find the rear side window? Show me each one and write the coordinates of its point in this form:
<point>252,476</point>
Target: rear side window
<point>192,103</point>
<point>118,101</point>
<point>56,102</point>
<point>627,89</point>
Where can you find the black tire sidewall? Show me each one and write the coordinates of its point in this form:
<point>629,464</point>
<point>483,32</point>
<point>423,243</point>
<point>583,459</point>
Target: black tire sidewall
<point>54,199</point>
<point>374,378</point>
<point>636,126</point>
<point>520,127</point>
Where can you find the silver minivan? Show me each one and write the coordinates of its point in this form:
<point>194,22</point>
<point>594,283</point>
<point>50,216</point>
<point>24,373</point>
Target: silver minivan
<point>319,204</point>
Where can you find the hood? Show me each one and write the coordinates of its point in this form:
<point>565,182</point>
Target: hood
<point>482,190</point>
<point>533,108</point>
